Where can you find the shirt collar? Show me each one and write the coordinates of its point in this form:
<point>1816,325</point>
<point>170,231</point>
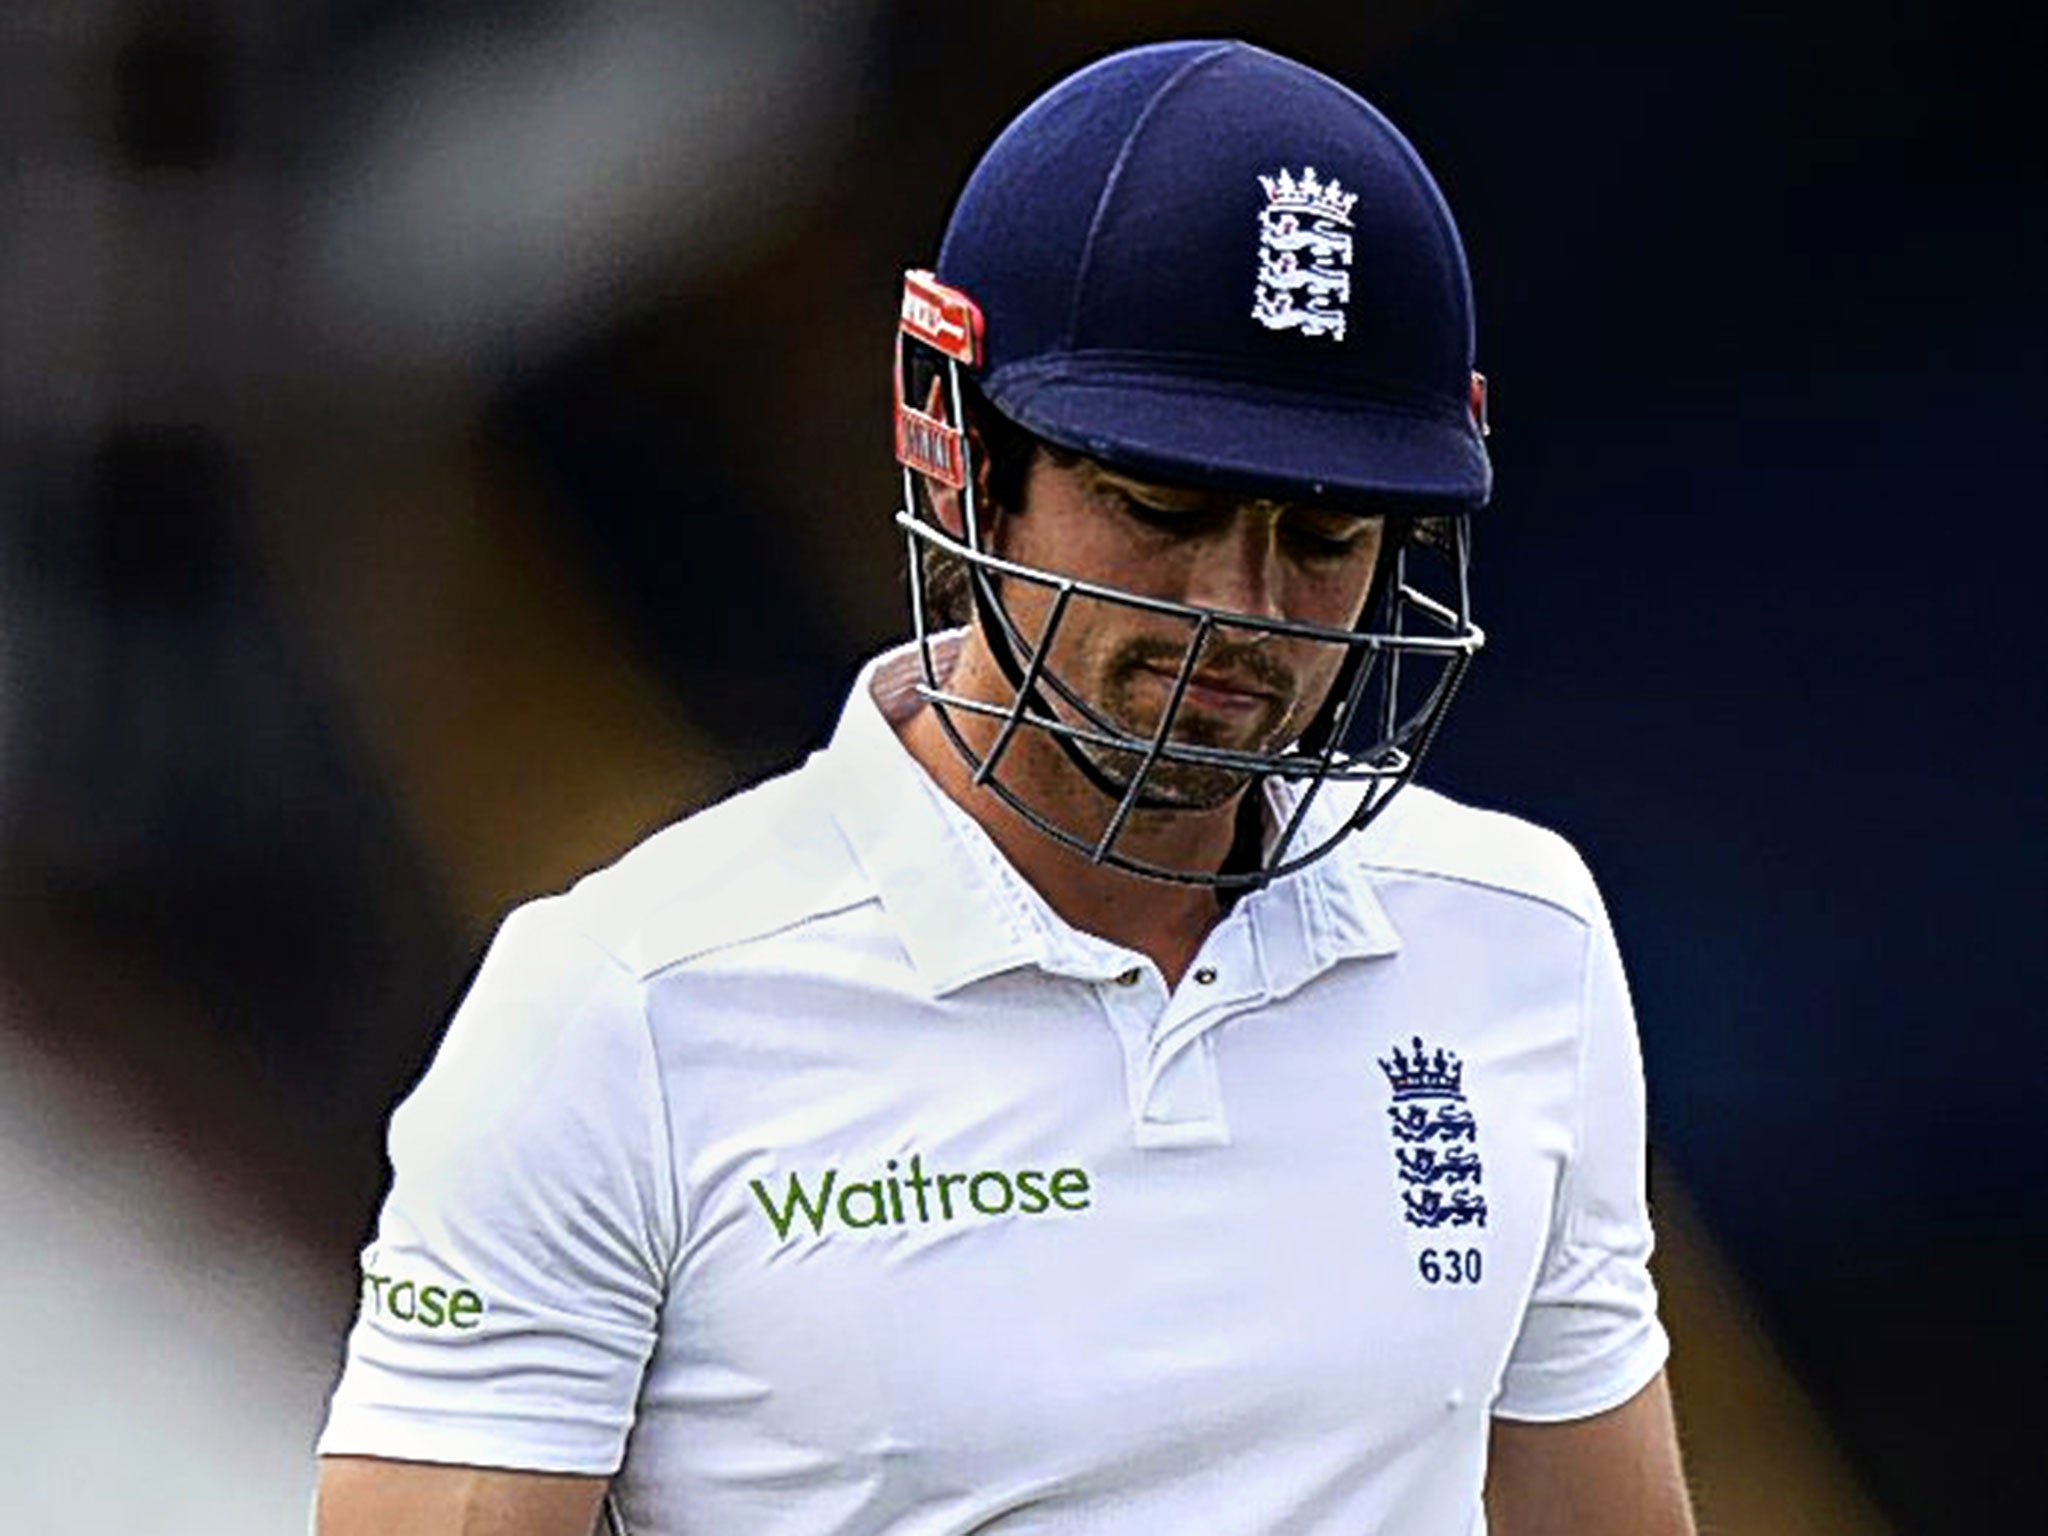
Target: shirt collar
<point>953,899</point>
<point>964,912</point>
<point>1326,911</point>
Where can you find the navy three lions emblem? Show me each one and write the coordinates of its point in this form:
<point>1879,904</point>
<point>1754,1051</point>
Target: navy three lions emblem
<point>1436,1151</point>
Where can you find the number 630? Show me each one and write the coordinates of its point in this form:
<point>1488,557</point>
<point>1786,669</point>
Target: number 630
<point>1449,1266</point>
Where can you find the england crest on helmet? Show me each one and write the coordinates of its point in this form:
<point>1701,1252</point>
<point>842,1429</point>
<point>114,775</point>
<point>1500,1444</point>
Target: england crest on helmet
<point>1304,254</point>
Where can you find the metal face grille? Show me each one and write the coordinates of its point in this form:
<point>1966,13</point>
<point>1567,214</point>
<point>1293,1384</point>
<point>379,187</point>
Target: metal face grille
<point>1400,669</point>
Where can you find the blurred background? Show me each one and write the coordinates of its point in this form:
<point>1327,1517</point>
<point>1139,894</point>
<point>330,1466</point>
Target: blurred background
<point>441,441</point>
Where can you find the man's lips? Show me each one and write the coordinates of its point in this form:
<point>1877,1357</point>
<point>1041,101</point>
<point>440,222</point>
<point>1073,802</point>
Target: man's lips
<point>1219,690</point>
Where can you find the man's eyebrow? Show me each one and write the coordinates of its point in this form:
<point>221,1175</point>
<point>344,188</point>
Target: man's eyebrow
<point>1188,498</point>
<point>1195,498</point>
<point>1131,483</point>
<point>1340,514</point>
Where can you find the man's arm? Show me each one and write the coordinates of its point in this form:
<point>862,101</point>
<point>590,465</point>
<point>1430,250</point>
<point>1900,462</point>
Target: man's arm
<point>1615,1474</point>
<point>368,1496</point>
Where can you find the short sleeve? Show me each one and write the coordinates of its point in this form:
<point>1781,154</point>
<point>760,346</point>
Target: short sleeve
<point>509,1300</point>
<point>1591,1338</point>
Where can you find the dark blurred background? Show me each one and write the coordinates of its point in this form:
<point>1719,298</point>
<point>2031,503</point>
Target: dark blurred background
<point>441,441</point>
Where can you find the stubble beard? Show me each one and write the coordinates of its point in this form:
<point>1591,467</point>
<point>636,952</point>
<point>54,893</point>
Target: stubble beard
<point>1133,671</point>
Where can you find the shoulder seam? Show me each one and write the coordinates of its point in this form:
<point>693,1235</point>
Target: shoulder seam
<point>671,1167</point>
<point>1421,872</point>
<point>667,1169</point>
<point>645,974</point>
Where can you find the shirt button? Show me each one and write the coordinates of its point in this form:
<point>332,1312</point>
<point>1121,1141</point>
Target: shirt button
<point>1129,978</point>
<point>1206,975</point>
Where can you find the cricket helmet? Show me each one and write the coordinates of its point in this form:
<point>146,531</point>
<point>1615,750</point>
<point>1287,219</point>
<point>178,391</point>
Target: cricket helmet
<point>1203,264</point>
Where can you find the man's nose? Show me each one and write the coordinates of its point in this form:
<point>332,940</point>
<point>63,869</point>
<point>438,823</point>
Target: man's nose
<point>1240,570</point>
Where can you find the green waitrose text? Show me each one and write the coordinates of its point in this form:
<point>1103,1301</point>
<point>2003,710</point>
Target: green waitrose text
<point>428,1306</point>
<point>917,1196</point>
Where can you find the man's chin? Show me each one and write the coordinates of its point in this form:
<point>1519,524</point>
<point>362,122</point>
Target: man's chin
<point>1178,787</point>
<point>1172,786</point>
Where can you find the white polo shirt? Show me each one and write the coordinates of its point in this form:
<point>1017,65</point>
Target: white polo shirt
<point>807,1172</point>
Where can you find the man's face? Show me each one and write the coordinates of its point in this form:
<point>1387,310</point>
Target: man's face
<point>1229,554</point>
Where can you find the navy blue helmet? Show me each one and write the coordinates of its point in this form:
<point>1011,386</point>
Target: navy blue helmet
<point>1202,264</point>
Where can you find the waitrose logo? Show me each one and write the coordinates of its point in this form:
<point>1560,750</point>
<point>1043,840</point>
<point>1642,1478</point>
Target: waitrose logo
<point>908,1195</point>
<point>428,1306</point>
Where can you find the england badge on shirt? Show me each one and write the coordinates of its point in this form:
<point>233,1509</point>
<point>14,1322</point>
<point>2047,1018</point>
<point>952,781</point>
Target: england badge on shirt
<point>1436,1139</point>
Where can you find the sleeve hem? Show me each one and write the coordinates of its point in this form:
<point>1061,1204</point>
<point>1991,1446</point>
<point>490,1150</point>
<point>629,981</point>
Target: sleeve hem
<point>1611,1389</point>
<point>504,1443</point>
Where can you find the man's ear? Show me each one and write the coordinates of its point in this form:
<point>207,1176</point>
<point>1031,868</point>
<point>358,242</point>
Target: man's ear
<point>946,508</point>
<point>942,498</point>
<point>945,499</point>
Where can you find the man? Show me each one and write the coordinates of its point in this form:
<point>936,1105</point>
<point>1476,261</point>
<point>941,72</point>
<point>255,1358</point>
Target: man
<point>1083,1098</point>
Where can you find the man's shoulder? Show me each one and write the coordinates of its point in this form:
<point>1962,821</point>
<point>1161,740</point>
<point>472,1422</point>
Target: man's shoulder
<point>1428,835</point>
<point>766,859</point>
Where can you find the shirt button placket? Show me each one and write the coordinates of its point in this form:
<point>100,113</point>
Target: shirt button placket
<point>1181,1095</point>
<point>1132,1014</point>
